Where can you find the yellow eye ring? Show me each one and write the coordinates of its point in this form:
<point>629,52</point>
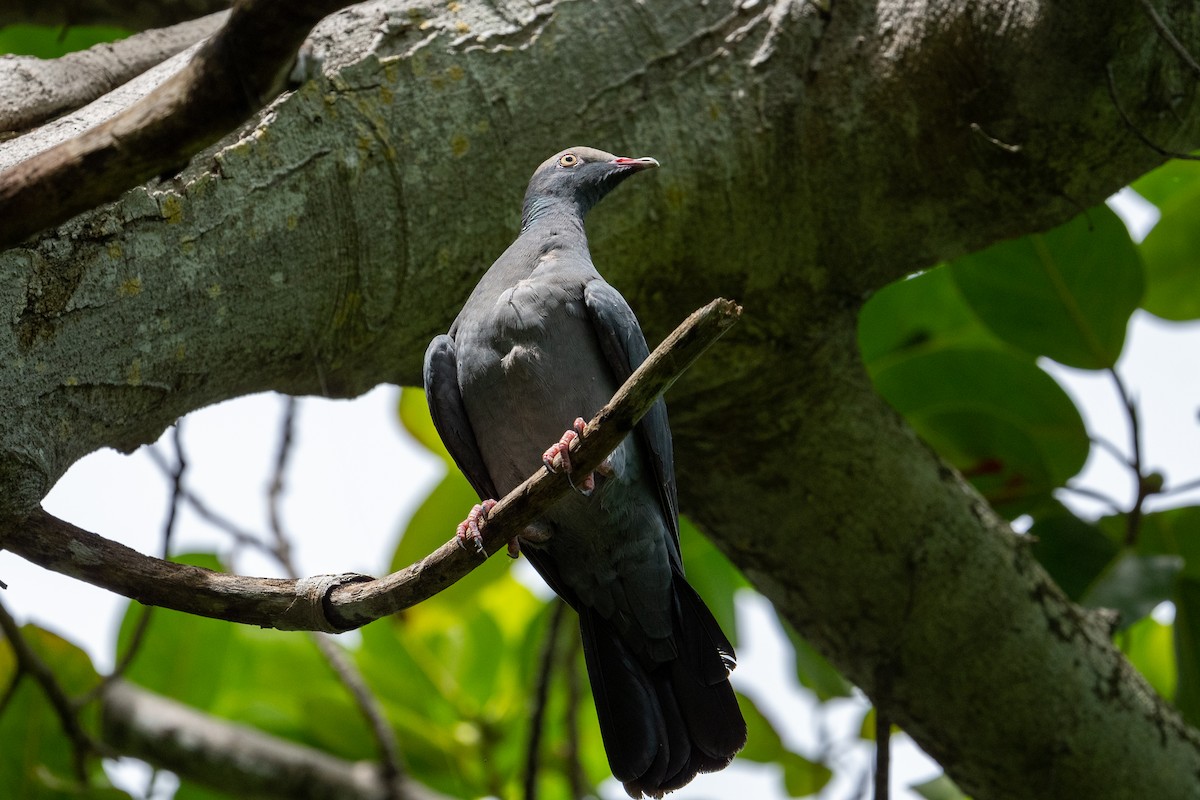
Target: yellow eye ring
<point>568,160</point>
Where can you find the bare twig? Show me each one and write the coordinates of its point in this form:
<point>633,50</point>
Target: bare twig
<point>1133,521</point>
<point>1111,449</point>
<point>541,695</point>
<point>580,787</point>
<point>143,623</point>
<point>1186,486</point>
<point>883,752</point>
<point>1099,497</point>
<point>335,603</point>
<point>30,663</point>
<point>233,75</point>
<point>349,676</point>
<point>240,535</point>
<point>287,425</point>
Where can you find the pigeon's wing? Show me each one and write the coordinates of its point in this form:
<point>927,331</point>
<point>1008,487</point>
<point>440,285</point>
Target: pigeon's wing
<point>624,347</point>
<point>450,419</point>
<point>450,415</point>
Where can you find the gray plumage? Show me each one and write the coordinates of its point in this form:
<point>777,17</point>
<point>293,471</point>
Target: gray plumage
<point>542,340</point>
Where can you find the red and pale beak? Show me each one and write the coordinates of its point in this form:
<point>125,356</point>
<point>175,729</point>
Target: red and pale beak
<point>635,163</point>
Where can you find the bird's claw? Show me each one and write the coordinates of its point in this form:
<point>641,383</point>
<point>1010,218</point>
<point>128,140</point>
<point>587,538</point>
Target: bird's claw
<point>558,457</point>
<point>470,529</point>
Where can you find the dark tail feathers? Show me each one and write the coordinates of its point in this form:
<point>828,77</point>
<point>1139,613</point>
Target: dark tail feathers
<point>662,724</point>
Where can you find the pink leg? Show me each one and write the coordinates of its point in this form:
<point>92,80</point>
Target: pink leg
<point>562,448</point>
<point>558,457</point>
<point>469,529</point>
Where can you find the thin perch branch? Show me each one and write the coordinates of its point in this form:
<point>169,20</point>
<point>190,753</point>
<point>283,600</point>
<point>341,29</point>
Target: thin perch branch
<point>335,603</point>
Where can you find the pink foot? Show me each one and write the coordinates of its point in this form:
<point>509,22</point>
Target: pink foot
<point>558,457</point>
<point>469,529</point>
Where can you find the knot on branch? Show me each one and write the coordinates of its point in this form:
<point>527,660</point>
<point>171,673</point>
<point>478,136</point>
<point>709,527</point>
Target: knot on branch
<point>312,610</point>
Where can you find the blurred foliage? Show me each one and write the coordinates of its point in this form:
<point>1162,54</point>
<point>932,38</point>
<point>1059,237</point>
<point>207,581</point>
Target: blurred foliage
<point>51,42</point>
<point>955,350</point>
<point>36,757</point>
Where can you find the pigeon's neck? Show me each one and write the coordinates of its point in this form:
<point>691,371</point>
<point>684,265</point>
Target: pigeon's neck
<point>552,215</point>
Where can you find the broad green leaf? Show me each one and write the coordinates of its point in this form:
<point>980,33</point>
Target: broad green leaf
<point>1171,252</point>
<point>1074,552</point>
<point>1016,446</point>
<point>1149,645</point>
<point>711,575</point>
<point>182,656</point>
<point>414,416</point>
<point>1163,183</point>
<point>921,313</point>
<point>1187,649</point>
<point>812,669</point>
<point>269,680</point>
<point>802,777</point>
<point>36,758</point>
<point>1066,294</point>
<point>1134,585</point>
<point>940,788</point>
<point>1176,531</point>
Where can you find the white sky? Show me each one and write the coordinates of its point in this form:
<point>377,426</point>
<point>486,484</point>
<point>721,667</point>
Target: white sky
<point>355,478</point>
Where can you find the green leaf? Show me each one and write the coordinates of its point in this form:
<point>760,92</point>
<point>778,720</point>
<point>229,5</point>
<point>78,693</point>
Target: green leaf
<point>1134,585</point>
<point>1074,552</point>
<point>1163,183</point>
<point>1187,649</point>
<point>940,788</point>
<point>1014,446</point>
<point>801,776</point>
<point>45,41</point>
<point>271,678</point>
<point>1172,532</point>
<point>1067,294</point>
<point>812,669</point>
<point>36,758</point>
<point>923,312</point>
<point>182,656</point>
<point>414,416</point>
<point>1171,251</point>
<point>711,575</point>
<point>1150,647</point>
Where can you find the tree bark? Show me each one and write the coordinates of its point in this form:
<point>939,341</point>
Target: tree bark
<point>812,154</point>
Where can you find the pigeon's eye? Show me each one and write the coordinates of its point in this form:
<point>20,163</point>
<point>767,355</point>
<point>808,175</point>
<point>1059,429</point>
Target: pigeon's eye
<point>568,160</point>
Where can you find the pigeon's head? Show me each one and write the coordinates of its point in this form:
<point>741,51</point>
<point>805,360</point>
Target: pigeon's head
<point>580,176</point>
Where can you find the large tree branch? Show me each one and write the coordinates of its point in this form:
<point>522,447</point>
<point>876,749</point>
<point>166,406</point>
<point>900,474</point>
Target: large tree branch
<point>233,758</point>
<point>232,75</point>
<point>335,603</point>
<point>809,159</point>
<point>33,90</point>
